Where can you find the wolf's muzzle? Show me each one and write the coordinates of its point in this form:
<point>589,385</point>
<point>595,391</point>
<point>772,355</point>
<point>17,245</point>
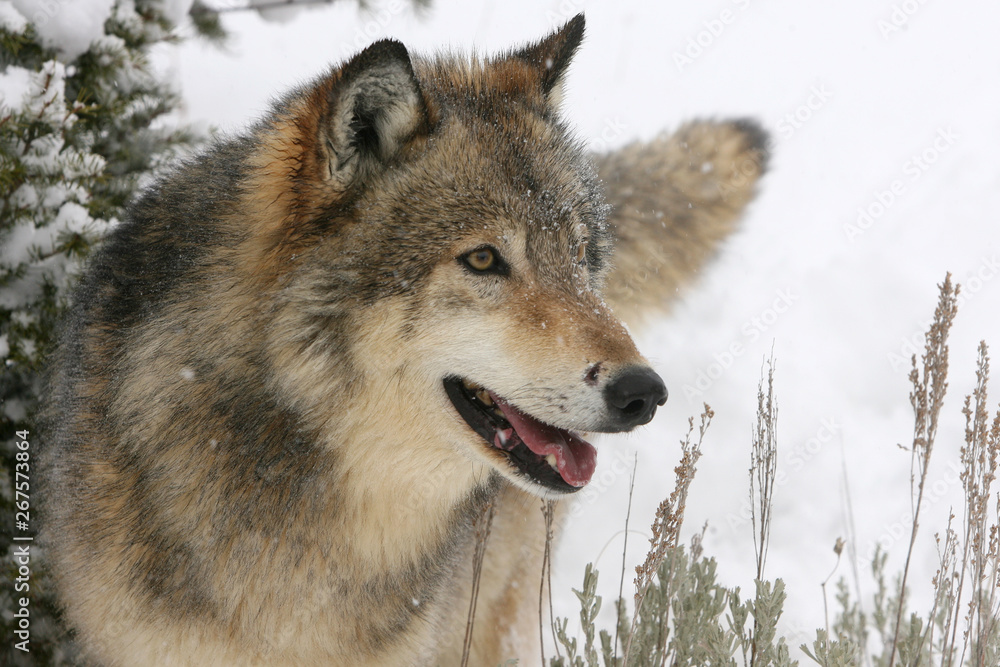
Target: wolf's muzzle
<point>633,396</point>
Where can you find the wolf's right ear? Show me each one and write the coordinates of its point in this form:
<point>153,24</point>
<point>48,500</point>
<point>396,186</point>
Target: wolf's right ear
<point>375,107</point>
<point>551,56</point>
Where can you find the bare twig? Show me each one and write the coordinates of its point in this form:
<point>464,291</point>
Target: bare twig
<point>483,526</point>
<point>621,580</point>
<point>926,398</point>
<point>945,592</point>
<point>669,518</point>
<point>838,548</point>
<point>548,511</point>
<point>851,543</point>
<point>979,458</point>
<point>763,470</point>
<point>763,467</point>
<point>201,8</point>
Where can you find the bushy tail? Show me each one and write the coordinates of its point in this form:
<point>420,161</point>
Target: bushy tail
<point>674,200</point>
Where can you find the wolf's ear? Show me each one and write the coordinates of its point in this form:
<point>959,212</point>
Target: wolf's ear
<point>375,108</point>
<point>552,55</point>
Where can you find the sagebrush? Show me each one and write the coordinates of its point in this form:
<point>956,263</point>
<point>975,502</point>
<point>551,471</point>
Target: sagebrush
<point>681,615</point>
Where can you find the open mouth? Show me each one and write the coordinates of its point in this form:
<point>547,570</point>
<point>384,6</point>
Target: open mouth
<point>549,456</point>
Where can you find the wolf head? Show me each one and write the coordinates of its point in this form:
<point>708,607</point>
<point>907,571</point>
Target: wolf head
<point>441,238</point>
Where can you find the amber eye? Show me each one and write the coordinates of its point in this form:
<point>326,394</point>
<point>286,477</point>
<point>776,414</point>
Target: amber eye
<point>581,253</point>
<point>481,260</point>
<point>484,260</point>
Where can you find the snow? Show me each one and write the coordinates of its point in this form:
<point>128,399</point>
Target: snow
<point>884,121</point>
<point>47,93</point>
<point>176,11</point>
<point>11,20</point>
<point>15,82</point>
<point>16,244</point>
<point>69,26</point>
<point>277,14</point>
<point>49,208</point>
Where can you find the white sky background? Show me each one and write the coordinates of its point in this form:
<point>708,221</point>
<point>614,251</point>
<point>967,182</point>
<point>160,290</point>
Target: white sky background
<point>879,99</point>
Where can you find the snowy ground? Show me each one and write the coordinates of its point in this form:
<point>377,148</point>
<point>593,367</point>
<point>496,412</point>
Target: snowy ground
<point>889,108</point>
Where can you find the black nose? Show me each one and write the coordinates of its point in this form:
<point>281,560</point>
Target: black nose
<point>632,397</point>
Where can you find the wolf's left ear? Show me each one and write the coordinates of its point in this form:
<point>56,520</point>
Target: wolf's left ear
<point>552,55</point>
<point>375,107</point>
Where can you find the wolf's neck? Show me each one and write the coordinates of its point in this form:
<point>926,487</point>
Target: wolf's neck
<point>408,510</point>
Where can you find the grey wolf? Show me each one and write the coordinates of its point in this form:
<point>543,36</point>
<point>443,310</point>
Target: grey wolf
<point>296,376</point>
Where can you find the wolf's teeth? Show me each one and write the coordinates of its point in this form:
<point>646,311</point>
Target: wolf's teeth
<point>551,460</point>
<point>484,396</point>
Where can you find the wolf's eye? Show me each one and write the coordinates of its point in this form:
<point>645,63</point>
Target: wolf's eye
<point>581,253</point>
<point>484,260</point>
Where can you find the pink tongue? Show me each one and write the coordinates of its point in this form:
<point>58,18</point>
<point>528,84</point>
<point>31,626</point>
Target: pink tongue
<point>576,458</point>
